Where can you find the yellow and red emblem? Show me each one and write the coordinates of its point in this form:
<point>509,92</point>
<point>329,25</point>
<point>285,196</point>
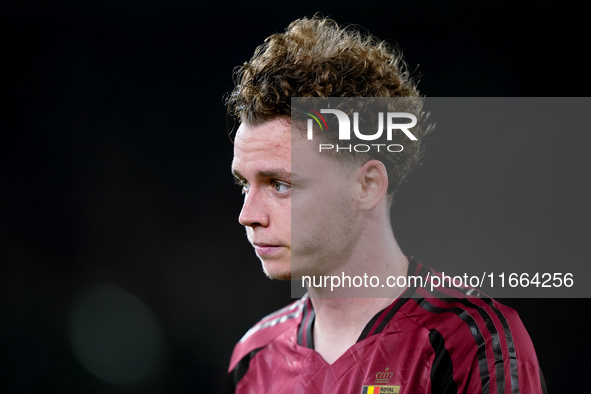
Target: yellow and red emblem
<point>380,390</point>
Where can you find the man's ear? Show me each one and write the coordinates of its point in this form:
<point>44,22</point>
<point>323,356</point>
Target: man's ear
<point>373,181</point>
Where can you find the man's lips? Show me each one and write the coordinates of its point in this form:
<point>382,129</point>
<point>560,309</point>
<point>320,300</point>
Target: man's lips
<point>265,249</point>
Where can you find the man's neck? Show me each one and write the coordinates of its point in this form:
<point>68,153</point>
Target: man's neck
<point>343,312</point>
<point>340,320</point>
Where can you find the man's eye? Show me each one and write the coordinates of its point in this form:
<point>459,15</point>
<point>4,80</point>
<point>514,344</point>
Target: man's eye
<point>245,186</point>
<point>281,187</point>
<point>243,183</point>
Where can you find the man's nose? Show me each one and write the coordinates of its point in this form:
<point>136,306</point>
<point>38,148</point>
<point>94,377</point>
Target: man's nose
<point>254,211</point>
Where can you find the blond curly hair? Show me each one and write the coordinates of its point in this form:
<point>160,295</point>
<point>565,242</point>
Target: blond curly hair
<point>315,57</point>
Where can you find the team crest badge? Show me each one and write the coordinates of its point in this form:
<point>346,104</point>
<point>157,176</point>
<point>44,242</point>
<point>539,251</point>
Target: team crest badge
<point>381,385</point>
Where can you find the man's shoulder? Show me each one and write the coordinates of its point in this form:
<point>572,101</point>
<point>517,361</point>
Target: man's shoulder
<point>266,330</point>
<point>437,304</point>
<point>478,337</point>
<point>465,319</point>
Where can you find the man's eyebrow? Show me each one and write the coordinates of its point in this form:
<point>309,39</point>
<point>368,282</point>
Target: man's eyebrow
<point>273,173</point>
<point>237,174</point>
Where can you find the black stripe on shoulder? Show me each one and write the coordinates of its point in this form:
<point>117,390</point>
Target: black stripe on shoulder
<point>442,370</point>
<point>474,329</point>
<point>240,370</point>
<point>492,329</point>
<point>508,336</point>
<point>510,345</point>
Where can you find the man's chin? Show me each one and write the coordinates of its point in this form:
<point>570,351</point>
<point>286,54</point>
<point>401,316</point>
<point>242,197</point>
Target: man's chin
<point>275,270</point>
<point>279,276</point>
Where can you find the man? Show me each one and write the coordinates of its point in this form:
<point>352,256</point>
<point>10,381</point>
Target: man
<point>310,214</point>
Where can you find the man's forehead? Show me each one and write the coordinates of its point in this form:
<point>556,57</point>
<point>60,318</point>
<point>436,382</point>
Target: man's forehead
<point>274,132</point>
<point>272,145</point>
<point>262,148</point>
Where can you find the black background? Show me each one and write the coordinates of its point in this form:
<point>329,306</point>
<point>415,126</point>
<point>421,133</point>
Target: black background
<point>115,169</point>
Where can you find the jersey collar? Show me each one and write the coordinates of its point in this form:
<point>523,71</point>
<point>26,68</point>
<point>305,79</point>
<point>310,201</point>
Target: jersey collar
<point>375,326</point>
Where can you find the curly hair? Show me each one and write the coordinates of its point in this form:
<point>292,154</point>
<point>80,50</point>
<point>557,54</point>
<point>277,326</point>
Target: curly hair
<point>316,58</point>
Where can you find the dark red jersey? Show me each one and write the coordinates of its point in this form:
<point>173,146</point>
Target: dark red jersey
<point>424,342</point>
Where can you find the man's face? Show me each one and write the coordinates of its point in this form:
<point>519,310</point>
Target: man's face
<point>284,178</point>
